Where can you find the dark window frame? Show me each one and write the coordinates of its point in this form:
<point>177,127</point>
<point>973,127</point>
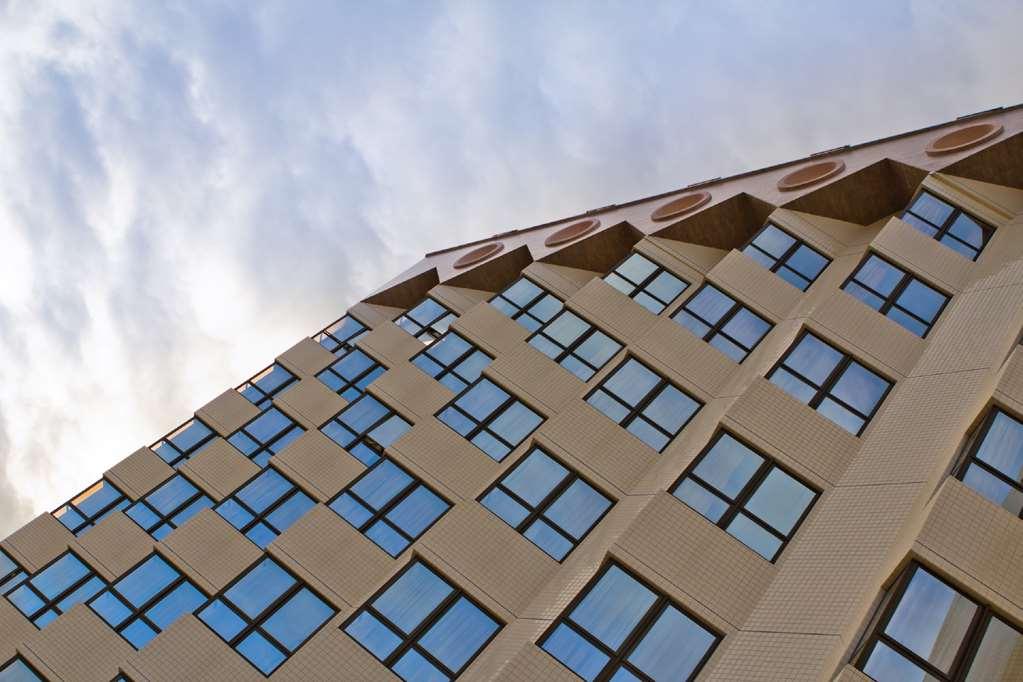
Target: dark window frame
<point>569,351</point>
<point>968,648</point>
<point>168,519</point>
<point>551,497</point>
<point>718,327</point>
<point>340,344</point>
<point>268,397</point>
<point>969,457</point>
<point>428,327</point>
<point>364,435</point>
<point>890,300</point>
<point>480,427</point>
<point>526,309</point>
<point>347,384</point>
<point>824,390</point>
<point>91,521</point>
<point>260,517</point>
<point>780,262</point>
<point>378,515</point>
<point>641,286</point>
<point>617,659</point>
<point>408,642</point>
<point>52,604</point>
<point>450,368</point>
<point>651,395</point>
<point>184,456</point>
<point>139,613</point>
<point>986,229</point>
<point>743,496</point>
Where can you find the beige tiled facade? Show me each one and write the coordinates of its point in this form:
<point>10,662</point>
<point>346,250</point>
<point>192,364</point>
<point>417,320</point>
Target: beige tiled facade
<point>886,499</point>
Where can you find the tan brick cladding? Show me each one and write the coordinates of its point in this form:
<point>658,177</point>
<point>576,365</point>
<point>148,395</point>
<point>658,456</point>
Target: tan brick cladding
<point>886,498</point>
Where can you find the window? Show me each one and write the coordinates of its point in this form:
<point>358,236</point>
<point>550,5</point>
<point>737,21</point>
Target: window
<point>896,294</point>
<point>351,374</point>
<point>490,418</point>
<point>791,259</point>
<point>17,670</point>
<point>748,495</point>
<point>11,574</point>
<point>620,629</point>
<point>422,627</point>
<point>261,389</point>
<point>265,436</point>
<point>643,403</point>
<point>54,589</point>
<point>723,322</point>
<point>366,428</point>
<point>427,321</point>
<point>452,361</point>
<point>948,224</point>
<point>266,615</point>
<point>547,502</point>
<point>184,442</point>
<point>146,600</point>
<point>265,507</point>
<point>526,303</point>
<point>389,506</point>
<point>831,382</point>
<point>994,465</point>
<point>646,282</point>
<point>929,630</point>
<point>340,337</point>
<point>168,506</point>
<point>91,507</point>
<point>575,344</point>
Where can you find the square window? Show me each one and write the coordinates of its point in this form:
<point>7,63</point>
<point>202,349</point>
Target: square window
<point>830,382</point>
<point>649,284</point>
<point>266,614</point>
<point>351,373</point>
<point>723,322</point>
<point>366,428</point>
<point>994,461</point>
<point>747,494</point>
<point>644,403</point>
<point>340,337</point>
<point>490,418</point>
<point>547,502</point>
<point>948,224</point>
<point>790,258</point>
<point>527,303</point>
<point>895,293</point>
<point>55,588</point>
<point>421,626</point>
<point>265,506</point>
<point>453,361</point>
<point>575,344</point>
<point>183,442</point>
<point>389,505</point>
<point>168,506</point>
<point>619,628</point>
<point>261,389</point>
<point>427,321</point>
<point>265,436</point>
<point>91,506</point>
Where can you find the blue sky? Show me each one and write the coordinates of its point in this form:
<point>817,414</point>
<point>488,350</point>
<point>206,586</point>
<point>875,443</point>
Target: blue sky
<point>186,189</point>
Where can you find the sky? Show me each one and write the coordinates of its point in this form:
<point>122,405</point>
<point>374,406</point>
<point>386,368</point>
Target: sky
<point>189,188</point>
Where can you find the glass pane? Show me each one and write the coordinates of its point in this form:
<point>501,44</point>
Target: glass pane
<point>83,592</point>
<point>576,367</point>
<point>746,327</point>
<point>291,511</point>
<point>381,484</point>
<point>505,507</point>
<point>780,501</point>
<point>841,416</point>
<point>967,229</point>
<point>755,537</point>
<point>774,241</point>
<point>860,388</point>
<point>698,328</point>
<point>515,423</point>
<point>807,262</point>
<point>363,414</point>
<point>390,431</point>
<point>578,655</point>
<point>413,667</point>
<point>673,647</point>
<point>268,425</point>
<point>60,575</point>
<point>260,652</point>
<point>931,208</point>
<point>566,328</point>
<point>111,609</point>
<point>619,284</point>
<point>885,665</point>
<point>879,275</point>
<point>734,352</point>
<point>264,490</point>
<point>426,312</point>
<point>998,658</point>
<point>759,256</point>
<point>793,278</point>
<point>234,513</point>
<point>636,268</point>
<point>813,359</point>
<point>459,634</point>
<point>17,671</point>
<point>793,385</point>
<point>546,308</point>
<point>412,597</point>
<point>142,584</point>
<point>959,247</point>
<point>1002,446</point>
<point>546,346</point>
<point>350,510</point>
<point>710,304</point>
<point>184,598</point>
<point>700,499</point>
<point>911,323</point>
<point>535,477</point>
<point>643,430</point>
<point>553,543</point>
<point>222,620</point>
<point>138,633</point>
<point>666,287</point>
<point>171,494</point>
<point>671,409</point>
<point>374,635</point>
<point>993,488</point>
<point>486,442</point>
<point>631,382</point>
<point>190,435</point>
<point>608,405</point>
<point>919,224</point>
<point>522,292</point>
<point>871,299</point>
<point>300,616</point>
<point>577,509</point>
<point>649,302</point>
<point>259,588</point>
<point>598,349</point>
<point>931,619</point>
<point>449,349</point>
<point>613,607</point>
<point>482,399</point>
<point>728,465</point>
<point>416,512</point>
<point>922,300</point>
<point>96,498</point>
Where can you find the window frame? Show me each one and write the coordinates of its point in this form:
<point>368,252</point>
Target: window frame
<point>481,426</point>
<point>428,327</point>
<point>781,261</point>
<point>267,400</point>
<point>651,395</point>
<point>341,344</point>
<point>260,518</point>
<point>528,307</point>
<point>91,521</point>
<point>553,496</point>
<point>641,287</point>
<point>824,390</point>
<point>53,604</point>
<point>617,659</point>
<point>408,642</point>
<point>969,456</point>
<point>346,384</point>
<point>737,505</point>
<point>7,580</point>
<point>193,451</point>
<point>265,447</point>
<point>889,301</point>
<point>569,351</point>
<point>987,230</point>
<point>364,436</point>
<point>450,368</point>
<point>378,515</point>
<point>168,520</point>
<point>718,327</point>
<point>968,647</point>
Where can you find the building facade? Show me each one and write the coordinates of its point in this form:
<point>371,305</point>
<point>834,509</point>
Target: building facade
<point>766,427</point>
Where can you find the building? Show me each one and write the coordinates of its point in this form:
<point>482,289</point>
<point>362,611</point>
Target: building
<point>765,427</point>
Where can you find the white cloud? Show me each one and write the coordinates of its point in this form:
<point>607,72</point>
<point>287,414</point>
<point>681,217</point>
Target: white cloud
<point>186,190</point>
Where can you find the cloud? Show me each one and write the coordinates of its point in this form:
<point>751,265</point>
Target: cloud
<point>186,189</point>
